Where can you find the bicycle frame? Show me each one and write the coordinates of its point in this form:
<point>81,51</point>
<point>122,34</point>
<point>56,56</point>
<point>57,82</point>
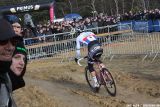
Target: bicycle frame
<point>100,64</point>
<point>103,76</point>
<point>99,74</point>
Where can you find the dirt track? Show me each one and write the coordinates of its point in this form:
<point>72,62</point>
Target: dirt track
<point>54,84</point>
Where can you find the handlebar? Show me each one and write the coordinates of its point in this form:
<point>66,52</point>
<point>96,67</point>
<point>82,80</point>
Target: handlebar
<point>78,62</point>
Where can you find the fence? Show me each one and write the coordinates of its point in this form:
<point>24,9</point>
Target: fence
<point>143,25</point>
<point>124,42</point>
<point>71,35</point>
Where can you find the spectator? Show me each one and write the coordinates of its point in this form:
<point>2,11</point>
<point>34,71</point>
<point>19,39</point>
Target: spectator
<point>17,28</point>
<point>59,30</point>
<point>15,22</point>
<point>18,66</point>
<point>54,29</point>
<point>88,23</point>
<point>41,34</point>
<point>29,23</point>
<point>8,41</point>
<point>94,22</point>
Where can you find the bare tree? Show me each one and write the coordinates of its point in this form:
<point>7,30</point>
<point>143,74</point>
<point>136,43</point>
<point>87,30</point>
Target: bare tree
<point>117,9</point>
<point>70,4</point>
<point>132,5</point>
<point>76,5</point>
<point>92,5</point>
<point>123,6</point>
<point>143,4</point>
<point>148,4</point>
<point>63,12</point>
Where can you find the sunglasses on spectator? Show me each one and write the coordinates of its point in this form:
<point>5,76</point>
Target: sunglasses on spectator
<point>13,41</point>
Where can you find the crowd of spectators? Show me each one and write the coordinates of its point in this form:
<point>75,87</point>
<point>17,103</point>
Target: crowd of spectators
<point>141,15</point>
<point>91,22</point>
<point>67,26</point>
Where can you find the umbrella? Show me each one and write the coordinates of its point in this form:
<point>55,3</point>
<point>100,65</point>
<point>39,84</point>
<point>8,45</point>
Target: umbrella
<point>72,16</point>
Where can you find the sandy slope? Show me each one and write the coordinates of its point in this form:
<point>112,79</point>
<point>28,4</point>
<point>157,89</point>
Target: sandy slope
<point>53,84</point>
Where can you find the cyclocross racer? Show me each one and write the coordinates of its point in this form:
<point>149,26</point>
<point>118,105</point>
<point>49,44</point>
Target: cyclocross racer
<point>94,50</point>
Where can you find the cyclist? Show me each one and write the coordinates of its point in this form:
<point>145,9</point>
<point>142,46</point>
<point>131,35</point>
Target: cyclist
<point>94,50</point>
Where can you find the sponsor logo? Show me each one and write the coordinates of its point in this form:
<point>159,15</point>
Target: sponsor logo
<point>25,8</point>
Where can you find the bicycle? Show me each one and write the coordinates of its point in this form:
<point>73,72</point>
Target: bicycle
<point>103,76</point>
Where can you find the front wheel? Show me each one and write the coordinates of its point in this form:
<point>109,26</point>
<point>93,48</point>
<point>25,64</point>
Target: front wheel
<point>109,85</point>
<point>90,80</point>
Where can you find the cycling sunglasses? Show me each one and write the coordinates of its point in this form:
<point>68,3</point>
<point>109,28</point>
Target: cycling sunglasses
<point>13,41</point>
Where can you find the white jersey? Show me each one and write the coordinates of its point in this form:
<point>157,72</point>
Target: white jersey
<point>85,38</point>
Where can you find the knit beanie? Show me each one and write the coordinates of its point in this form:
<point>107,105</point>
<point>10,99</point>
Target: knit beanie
<point>20,48</point>
<point>6,30</point>
<point>12,19</point>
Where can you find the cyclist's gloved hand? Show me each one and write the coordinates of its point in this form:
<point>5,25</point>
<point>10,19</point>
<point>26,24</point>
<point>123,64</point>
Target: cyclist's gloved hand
<point>76,59</point>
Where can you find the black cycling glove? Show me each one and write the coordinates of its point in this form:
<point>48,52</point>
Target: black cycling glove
<point>76,59</point>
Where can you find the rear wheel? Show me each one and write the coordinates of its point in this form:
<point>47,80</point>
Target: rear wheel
<point>90,80</point>
<point>109,85</point>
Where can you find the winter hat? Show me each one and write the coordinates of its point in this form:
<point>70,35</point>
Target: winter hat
<point>6,30</point>
<point>12,19</point>
<point>20,48</point>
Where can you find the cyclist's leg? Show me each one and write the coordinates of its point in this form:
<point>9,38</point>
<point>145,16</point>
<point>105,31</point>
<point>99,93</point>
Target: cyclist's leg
<point>100,62</point>
<point>93,72</point>
<point>103,67</point>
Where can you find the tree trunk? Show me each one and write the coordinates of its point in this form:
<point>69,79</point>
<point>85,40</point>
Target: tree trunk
<point>123,6</point>
<point>70,4</point>
<point>93,5</point>
<point>63,11</point>
<point>117,10</point>
<point>132,5</point>
<point>144,4</point>
<point>77,7</point>
<point>148,5</point>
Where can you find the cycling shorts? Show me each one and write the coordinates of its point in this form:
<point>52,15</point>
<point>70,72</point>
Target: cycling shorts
<point>94,52</point>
